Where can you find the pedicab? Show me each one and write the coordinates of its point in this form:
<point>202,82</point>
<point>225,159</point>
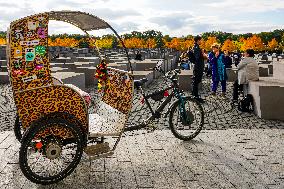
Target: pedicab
<point>56,125</point>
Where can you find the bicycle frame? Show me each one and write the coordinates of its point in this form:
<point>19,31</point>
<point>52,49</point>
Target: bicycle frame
<point>156,114</point>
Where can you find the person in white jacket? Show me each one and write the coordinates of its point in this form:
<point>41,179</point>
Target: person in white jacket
<point>248,70</point>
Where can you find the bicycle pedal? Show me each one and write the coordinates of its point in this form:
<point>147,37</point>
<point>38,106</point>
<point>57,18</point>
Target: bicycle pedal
<point>97,149</point>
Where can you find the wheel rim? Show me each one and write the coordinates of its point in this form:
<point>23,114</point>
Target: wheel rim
<point>193,124</point>
<point>52,160</point>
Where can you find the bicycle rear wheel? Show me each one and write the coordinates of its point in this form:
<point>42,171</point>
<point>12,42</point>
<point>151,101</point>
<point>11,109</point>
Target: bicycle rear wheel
<point>186,118</point>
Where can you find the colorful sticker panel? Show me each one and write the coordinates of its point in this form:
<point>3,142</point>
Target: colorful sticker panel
<point>29,62</point>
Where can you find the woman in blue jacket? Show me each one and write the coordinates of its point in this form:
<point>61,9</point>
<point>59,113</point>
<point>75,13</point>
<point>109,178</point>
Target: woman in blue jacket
<point>218,70</point>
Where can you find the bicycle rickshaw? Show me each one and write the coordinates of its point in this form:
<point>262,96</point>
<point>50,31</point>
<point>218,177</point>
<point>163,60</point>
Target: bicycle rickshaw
<point>54,117</point>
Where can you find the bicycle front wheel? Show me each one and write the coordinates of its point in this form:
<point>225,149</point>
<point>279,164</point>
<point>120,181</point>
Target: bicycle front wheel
<point>186,118</point>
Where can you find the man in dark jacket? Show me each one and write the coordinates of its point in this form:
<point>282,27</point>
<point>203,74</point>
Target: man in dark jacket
<point>198,68</point>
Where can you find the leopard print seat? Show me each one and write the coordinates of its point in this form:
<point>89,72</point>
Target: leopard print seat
<point>113,109</point>
<point>84,94</point>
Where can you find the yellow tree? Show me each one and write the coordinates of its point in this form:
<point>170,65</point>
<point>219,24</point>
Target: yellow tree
<point>150,43</point>
<point>209,42</point>
<point>134,43</point>
<point>105,43</point>
<point>229,46</point>
<point>273,44</point>
<point>175,43</point>
<point>254,43</point>
<point>2,41</point>
<point>203,44</point>
<point>238,45</point>
<point>189,43</point>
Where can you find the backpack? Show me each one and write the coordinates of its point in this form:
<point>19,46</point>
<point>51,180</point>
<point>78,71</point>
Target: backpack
<point>191,56</point>
<point>246,104</point>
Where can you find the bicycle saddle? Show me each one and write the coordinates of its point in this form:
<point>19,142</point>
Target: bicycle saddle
<point>140,82</point>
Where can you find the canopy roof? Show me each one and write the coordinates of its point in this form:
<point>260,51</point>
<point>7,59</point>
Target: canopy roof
<point>82,20</point>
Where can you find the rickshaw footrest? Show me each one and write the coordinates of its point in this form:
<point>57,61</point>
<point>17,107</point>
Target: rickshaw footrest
<point>97,149</point>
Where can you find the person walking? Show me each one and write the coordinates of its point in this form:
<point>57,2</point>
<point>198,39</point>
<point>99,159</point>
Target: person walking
<point>218,70</point>
<point>198,68</point>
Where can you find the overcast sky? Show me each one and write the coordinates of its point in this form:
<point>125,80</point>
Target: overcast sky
<point>174,17</point>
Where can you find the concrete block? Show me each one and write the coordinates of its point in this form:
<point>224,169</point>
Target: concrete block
<point>77,79</point>
<point>232,74</point>
<point>268,94</point>
<point>185,79</point>
<point>4,77</point>
<point>144,74</point>
<point>263,71</point>
<point>278,70</point>
<point>89,75</point>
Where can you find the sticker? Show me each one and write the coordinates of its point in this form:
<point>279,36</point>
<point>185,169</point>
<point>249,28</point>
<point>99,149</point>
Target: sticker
<point>32,25</point>
<point>19,34</point>
<point>30,54</point>
<point>29,43</point>
<point>39,67</point>
<point>41,32</point>
<point>19,72</point>
<point>30,66</point>
<point>17,64</point>
<point>18,52</point>
<point>30,34</point>
<point>28,79</point>
<point>40,50</point>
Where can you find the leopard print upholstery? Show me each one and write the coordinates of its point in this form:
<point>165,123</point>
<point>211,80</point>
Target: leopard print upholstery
<point>28,50</point>
<point>119,90</point>
<point>36,103</point>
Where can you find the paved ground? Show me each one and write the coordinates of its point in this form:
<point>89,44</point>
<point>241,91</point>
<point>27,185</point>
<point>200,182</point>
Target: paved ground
<point>234,150</point>
<point>233,158</point>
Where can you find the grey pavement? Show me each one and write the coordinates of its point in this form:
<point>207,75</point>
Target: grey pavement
<point>233,158</point>
<point>235,150</point>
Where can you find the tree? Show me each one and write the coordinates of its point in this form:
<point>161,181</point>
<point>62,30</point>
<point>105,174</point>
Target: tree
<point>2,41</point>
<point>229,46</point>
<point>272,45</point>
<point>254,43</point>
<point>104,43</point>
<point>209,42</point>
<point>150,43</point>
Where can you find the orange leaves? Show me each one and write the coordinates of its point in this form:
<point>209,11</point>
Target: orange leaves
<point>229,46</point>
<point>209,42</point>
<point>135,42</point>
<point>272,44</point>
<point>105,43</point>
<point>150,43</point>
<point>63,42</point>
<point>180,44</point>
<point>254,43</point>
<point>3,41</point>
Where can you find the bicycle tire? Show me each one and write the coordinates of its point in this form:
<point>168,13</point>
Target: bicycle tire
<point>17,129</point>
<point>199,127</point>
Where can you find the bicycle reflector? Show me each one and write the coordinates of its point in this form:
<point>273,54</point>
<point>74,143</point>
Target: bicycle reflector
<point>166,93</point>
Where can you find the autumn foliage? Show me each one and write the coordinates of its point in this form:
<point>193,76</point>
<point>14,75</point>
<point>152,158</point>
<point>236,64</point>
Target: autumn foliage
<point>264,41</point>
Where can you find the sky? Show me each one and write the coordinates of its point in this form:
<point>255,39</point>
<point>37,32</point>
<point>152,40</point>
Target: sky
<point>173,17</point>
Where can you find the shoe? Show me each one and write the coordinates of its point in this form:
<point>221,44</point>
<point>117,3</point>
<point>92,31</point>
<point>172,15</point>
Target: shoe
<point>223,94</point>
<point>213,94</point>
